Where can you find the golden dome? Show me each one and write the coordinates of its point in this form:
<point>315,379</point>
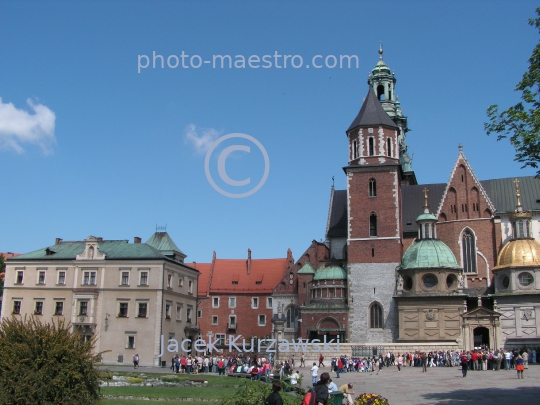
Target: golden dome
<point>519,253</point>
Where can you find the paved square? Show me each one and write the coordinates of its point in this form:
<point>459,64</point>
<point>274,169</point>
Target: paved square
<point>444,385</point>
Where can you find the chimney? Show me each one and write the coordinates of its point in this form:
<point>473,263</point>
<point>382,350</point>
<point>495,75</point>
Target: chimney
<point>58,241</point>
<point>99,239</point>
<point>136,239</point>
<point>249,261</point>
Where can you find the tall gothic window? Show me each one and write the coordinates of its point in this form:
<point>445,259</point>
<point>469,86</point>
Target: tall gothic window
<point>373,224</point>
<point>376,316</point>
<point>372,188</point>
<point>371,147</point>
<point>292,317</point>
<point>468,247</point>
<point>389,144</point>
<point>355,150</point>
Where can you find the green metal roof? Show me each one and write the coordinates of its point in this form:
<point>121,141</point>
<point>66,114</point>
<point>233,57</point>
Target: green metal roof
<point>163,242</point>
<point>113,249</point>
<point>429,253</point>
<point>330,273</point>
<point>306,269</point>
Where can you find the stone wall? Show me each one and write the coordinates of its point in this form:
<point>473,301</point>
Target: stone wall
<point>370,283</point>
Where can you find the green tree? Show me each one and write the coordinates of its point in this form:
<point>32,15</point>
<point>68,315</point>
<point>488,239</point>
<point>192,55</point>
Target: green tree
<point>522,121</point>
<point>46,364</point>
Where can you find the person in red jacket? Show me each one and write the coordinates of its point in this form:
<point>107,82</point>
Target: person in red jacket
<point>339,367</point>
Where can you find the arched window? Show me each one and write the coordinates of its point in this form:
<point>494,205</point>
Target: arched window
<point>371,146</point>
<point>380,92</point>
<point>468,247</point>
<point>376,316</point>
<point>292,317</point>
<point>389,146</point>
<point>373,224</point>
<point>372,188</point>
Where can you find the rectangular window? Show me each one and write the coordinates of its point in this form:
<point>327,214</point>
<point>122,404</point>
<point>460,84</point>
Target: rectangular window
<point>125,278</point>
<point>39,308</point>
<point>190,286</point>
<point>220,337</point>
<point>20,277</point>
<point>188,314</point>
<point>89,278</point>
<point>268,302</point>
<point>130,342</point>
<point>179,309</point>
<point>59,308</point>
<point>83,308</point>
<point>232,302</point>
<point>123,309</point>
<point>16,307</point>
<point>144,278</point>
<point>180,281</point>
<point>232,321</point>
<point>214,320</point>
<point>199,313</point>
<point>143,306</point>
<point>61,277</point>
<point>215,302</point>
<point>41,277</point>
<point>262,320</point>
<point>169,280</point>
<point>255,302</point>
<point>167,311</point>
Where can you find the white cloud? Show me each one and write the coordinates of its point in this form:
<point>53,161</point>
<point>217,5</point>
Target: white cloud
<point>18,127</point>
<point>201,138</point>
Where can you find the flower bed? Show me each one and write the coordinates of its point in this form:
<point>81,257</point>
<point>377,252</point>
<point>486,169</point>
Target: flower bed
<point>370,399</point>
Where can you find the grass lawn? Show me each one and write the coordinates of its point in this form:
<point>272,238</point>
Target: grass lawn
<point>170,392</point>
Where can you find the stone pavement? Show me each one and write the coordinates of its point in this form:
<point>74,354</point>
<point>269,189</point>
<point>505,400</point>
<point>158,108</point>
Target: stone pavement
<point>445,385</point>
<point>440,385</point>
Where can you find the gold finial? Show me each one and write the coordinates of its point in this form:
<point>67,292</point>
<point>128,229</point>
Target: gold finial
<point>519,208</point>
<point>460,146</point>
<point>425,197</point>
<point>380,50</point>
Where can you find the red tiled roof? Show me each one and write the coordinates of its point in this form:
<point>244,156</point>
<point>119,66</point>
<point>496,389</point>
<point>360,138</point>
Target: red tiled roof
<point>204,275</point>
<point>263,276</point>
<point>9,255</point>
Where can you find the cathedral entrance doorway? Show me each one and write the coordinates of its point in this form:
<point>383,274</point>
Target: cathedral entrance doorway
<point>481,337</point>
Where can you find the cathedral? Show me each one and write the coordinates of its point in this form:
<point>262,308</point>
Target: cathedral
<point>455,262</point>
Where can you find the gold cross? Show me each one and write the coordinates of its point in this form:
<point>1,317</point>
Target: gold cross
<point>425,196</point>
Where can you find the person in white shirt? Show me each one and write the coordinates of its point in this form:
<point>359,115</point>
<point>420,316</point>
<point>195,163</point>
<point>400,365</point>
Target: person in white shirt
<point>294,378</point>
<point>314,373</point>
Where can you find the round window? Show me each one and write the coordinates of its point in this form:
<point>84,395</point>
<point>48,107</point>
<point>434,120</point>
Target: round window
<point>451,281</point>
<point>505,282</point>
<point>408,283</point>
<point>430,281</point>
<point>525,279</point>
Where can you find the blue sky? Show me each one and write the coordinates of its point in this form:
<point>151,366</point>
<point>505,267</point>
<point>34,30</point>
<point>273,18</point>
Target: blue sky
<point>101,149</point>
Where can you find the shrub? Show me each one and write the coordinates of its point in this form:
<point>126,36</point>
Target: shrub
<point>254,393</point>
<point>46,364</point>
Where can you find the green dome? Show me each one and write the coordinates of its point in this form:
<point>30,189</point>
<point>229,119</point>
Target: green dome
<point>380,67</point>
<point>429,253</point>
<point>426,217</point>
<point>330,273</point>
